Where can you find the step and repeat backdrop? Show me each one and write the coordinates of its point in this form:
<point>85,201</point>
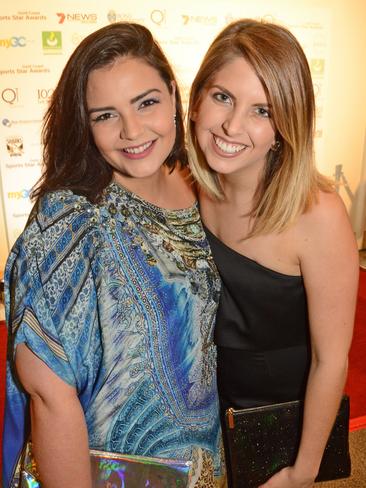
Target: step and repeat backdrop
<point>37,37</point>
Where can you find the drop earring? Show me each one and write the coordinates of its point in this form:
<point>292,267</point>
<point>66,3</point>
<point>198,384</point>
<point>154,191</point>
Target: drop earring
<point>175,120</point>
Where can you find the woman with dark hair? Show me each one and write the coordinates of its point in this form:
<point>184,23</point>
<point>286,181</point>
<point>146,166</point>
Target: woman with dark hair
<point>111,290</point>
<point>279,234</point>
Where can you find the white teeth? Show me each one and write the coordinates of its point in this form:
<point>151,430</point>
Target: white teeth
<point>139,149</point>
<point>227,147</point>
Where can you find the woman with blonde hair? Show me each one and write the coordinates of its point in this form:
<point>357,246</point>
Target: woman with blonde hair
<point>279,233</point>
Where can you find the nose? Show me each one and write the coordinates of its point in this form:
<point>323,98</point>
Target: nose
<point>234,123</point>
<point>131,127</point>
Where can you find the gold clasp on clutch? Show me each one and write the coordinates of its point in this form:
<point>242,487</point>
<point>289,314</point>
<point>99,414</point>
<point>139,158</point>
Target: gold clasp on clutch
<point>230,417</point>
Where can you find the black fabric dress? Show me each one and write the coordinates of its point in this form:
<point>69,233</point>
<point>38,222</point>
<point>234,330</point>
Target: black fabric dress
<point>262,332</point>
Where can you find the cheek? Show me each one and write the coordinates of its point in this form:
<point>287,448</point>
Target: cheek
<point>209,116</point>
<point>165,125</point>
<point>264,135</point>
<point>203,121</point>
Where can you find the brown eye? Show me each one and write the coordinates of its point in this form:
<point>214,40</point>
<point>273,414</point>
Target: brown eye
<point>149,102</point>
<point>222,97</point>
<point>102,117</point>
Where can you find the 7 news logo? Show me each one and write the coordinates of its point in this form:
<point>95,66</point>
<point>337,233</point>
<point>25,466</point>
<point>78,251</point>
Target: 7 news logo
<point>77,17</point>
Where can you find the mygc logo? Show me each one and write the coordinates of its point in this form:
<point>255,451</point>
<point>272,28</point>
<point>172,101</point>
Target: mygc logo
<point>10,95</point>
<point>77,17</point>
<point>14,146</point>
<point>51,40</point>
<point>17,195</point>
<point>13,42</point>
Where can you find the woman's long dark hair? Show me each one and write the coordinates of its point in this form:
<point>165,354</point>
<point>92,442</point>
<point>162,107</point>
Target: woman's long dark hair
<point>71,160</point>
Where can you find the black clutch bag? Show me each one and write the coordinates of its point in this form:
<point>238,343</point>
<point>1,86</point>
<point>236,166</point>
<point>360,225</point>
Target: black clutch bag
<point>263,440</point>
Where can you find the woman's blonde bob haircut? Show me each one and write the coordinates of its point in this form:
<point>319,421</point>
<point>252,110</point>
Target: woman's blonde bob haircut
<point>290,180</point>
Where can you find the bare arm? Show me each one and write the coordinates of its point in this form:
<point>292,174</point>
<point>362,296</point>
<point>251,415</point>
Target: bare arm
<point>59,434</point>
<point>329,264</point>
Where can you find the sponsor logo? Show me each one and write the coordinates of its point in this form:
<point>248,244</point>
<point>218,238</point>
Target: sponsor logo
<point>26,69</point>
<point>114,16</point>
<point>18,195</point>
<point>61,17</point>
<point>13,164</point>
<point>51,40</point>
<point>317,89</point>
<point>6,123</point>
<point>317,67</point>
<point>14,146</point>
<point>199,19</point>
<point>26,15</point>
<point>10,95</point>
<point>76,38</point>
<point>44,94</point>
<point>77,17</point>
<point>158,16</point>
<point>14,41</point>
<point>10,122</point>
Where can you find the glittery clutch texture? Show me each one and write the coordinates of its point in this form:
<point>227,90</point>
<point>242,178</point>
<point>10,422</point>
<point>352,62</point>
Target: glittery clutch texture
<point>122,471</point>
<point>263,440</point>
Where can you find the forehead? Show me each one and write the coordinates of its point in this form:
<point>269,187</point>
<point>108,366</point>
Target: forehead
<point>126,74</point>
<point>238,77</point>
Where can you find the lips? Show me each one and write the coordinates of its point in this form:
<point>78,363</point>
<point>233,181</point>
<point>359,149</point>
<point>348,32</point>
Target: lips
<point>138,149</point>
<point>228,148</point>
<point>139,152</point>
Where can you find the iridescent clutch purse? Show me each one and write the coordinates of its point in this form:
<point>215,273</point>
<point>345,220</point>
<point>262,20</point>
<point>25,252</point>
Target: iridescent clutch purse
<point>121,471</point>
<point>263,440</point>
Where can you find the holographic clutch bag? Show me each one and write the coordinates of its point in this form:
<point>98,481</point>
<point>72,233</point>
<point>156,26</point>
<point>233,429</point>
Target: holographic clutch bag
<point>263,440</point>
<point>122,471</point>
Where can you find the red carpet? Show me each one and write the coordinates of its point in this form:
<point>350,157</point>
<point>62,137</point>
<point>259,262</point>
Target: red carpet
<point>356,383</point>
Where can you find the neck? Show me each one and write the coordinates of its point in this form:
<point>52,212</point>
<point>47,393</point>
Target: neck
<point>150,189</point>
<point>240,188</point>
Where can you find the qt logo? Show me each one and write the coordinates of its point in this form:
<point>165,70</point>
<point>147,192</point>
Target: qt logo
<point>10,95</point>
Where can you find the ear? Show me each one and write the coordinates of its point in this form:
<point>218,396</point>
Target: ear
<point>193,115</point>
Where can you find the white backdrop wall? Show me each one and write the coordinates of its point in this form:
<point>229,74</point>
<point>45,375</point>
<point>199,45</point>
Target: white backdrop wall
<point>38,36</point>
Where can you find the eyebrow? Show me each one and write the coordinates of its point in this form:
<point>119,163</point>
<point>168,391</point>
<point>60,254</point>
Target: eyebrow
<point>132,101</point>
<point>142,95</point>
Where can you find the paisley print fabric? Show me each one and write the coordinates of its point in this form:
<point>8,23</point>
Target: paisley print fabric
<point>118,299</point>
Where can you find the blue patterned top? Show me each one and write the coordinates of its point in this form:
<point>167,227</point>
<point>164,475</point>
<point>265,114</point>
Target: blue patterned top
<point>118,299</point>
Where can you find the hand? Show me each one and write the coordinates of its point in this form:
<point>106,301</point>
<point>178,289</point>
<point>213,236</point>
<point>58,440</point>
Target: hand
<point>287,478</point>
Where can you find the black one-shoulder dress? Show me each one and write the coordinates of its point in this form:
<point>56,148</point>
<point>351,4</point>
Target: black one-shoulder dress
<point>262,332</point>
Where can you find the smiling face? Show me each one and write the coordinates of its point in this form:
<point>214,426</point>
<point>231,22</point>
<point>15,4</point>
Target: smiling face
<point>233,122</point>
<point>131,115</point>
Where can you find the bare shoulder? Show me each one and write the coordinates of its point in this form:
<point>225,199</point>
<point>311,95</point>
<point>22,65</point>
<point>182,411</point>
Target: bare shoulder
<point>328,205</point>
<point>326,225</point>
<point>327,214</point>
